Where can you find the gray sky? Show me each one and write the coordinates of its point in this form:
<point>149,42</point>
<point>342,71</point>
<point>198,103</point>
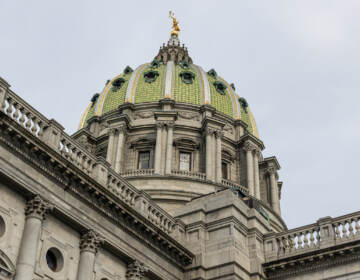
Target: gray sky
<point>296,62</point>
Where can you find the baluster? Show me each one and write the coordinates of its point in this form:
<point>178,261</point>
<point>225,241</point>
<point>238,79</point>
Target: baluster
<point>3,103</point>
<point>28,121</point>
<point>344,230</point>
<point>357,226</point>
<point>34,128</point>
<point>10,107</point>
<point>306,240</point>
<point>41,128</point>
<point>351,228</point>
<point>312,238</point>
<point>336,230</point>
<point>22,117</point>
<point>16,111</point>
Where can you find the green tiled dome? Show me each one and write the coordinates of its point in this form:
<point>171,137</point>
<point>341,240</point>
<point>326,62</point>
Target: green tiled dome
<point>182,81</point>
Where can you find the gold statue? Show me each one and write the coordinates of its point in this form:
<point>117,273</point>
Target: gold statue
<point>175,26</point>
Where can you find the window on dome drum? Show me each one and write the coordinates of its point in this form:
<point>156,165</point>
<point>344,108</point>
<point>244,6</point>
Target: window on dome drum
<point>117,84</point>
<point>185,161</point>
<point>144,160</point>
<point>224,170</point>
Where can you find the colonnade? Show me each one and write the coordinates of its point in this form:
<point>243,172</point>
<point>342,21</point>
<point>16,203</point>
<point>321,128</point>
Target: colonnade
<point>90,242</point>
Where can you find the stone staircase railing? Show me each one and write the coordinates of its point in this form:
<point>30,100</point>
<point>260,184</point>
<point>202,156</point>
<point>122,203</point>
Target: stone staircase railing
<point>325,233</point>
<point>53,134</point>
<point>234,186</point>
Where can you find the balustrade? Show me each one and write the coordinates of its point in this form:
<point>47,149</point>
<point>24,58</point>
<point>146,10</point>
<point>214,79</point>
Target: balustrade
<point>34,122</point>
<point>312,237</point>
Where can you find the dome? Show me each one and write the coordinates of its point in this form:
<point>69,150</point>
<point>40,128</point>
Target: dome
<point>171,75</point>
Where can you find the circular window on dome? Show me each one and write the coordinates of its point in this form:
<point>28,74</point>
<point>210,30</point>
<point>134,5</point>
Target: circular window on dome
<point>2,227</point>
<point>150,76</point>
<point>187,77</point>
<point>220,87</point>
<point>54,259</point>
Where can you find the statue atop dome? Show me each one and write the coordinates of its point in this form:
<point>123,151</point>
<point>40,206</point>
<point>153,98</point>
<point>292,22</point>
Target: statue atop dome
<point>175,26</point>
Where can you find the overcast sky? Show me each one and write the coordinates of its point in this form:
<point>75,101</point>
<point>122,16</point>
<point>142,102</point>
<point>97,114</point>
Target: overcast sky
<point>296,62</point>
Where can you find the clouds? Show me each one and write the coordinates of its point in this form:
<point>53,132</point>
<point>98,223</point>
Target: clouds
<point>296,62</point>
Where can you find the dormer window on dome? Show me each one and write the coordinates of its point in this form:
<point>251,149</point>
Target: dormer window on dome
<point>220,87</point>
<point>150,76</point>
<point>187,77</point>
<point>185,64</point>
<point>155,64</point>
<point>212,73</point>
<point>128,70</point>
<point>94,99</point>
<point>243,103</point>
<point>118,83</point>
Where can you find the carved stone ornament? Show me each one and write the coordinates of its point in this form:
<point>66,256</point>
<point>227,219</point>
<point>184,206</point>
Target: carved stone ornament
<point>271,170</point>
<point>248,146</point>
<point>37,208</point>
<point>189,115</point>
<point>228,128</point>
<point>219,134</point>
<point>136,271</point>
<point>90,241</point>
<point>143,115</point>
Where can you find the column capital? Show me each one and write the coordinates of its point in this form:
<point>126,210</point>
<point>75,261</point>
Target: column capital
<point>257,153</point>
<point>112,131</point>
<point>249,146</point>
<point>37,208</point>
<point>160,124</point>
<point>209,131</point>
<point>136,271</point>
<point>219,134</point>
<point>271,170</point>
<point>170,124</point>
<point>90,241</point>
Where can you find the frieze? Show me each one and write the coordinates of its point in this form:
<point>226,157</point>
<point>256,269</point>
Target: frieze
<point>189,115</point>
<point>143,115</point>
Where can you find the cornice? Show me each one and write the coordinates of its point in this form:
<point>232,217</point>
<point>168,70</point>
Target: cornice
<point>312,262</point>
<point>249,137</point>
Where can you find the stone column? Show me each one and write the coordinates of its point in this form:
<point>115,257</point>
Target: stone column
<point>110,149</point>
<point>136,271</point>
<point>89,244</point>
<point>169,148</point>
<point>120,149</point>
<point>275,203</point>
<point>256,174</point>
<point>35,213</point>
<point>248,147</point>
<point>157,165</point>
<point>209,151</point>
<point>218,136</point>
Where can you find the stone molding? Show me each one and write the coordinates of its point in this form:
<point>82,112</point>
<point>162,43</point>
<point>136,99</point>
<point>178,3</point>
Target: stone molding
<point>90,241</point>
<point>37,208</point>
<point>136,271</point>
<point>249,146</point>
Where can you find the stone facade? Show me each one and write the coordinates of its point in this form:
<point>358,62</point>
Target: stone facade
<point>157,190</point>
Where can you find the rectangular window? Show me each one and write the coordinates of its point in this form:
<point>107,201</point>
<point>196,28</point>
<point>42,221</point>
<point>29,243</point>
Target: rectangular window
<point>224,169</point>
<point>144,160</point>
<point>185,161</point>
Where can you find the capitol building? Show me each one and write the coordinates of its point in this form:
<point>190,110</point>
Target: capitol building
<point>165,179</point>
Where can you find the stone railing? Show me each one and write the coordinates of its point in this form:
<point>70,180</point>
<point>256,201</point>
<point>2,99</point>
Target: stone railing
<point>189,174</point>
<point>53,134</point>
<point>325,233</point>
<point>234,186</point>
<point>137,172</point>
